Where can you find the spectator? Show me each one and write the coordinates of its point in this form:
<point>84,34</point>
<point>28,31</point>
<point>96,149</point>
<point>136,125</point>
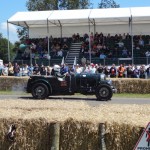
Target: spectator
<point>25,70</point>
<point>148,71</point>
<point>16,69</point>
<point>36,70</point>
<point>142,71</point>
<point>60,53</point>
<point>87,69</point>
<point>106,71</point>
<point>141,42</point>
<point>124,52</point>
<point>30,70</point>
<point>130,71</point>
<point>5,70</point>
<point>147,54</point>
<point>83,61</point>
<point>49,69</point>
<point>100,69</point>
<point>136,72</point>
<point>120,44</point>
<point>113,71</point>
<point>10,69</point>
<point>43,70</point>
<point>64,70</point>
<point>78,69</point>
<point>102,56</point>
<point>120,71</point>
<point>92,68</point>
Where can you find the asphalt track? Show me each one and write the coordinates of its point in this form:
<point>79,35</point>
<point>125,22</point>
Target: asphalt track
<point>91,100</point>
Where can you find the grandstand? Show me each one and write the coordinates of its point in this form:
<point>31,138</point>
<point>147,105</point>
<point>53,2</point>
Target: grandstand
<point>121,34</point>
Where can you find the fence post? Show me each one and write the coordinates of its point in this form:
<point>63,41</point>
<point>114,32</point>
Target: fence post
<point>102,136</point>
<point>56,136</point>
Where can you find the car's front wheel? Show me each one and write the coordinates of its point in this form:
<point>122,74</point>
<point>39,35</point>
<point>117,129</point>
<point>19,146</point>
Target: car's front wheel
<point>40,91</point>
<point>104,92</point>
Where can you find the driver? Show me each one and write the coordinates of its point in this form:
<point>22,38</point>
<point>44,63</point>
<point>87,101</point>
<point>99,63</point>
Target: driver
<point>56,71</point>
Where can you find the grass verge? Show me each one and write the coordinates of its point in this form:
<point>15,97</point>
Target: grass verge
<point>123,95</point>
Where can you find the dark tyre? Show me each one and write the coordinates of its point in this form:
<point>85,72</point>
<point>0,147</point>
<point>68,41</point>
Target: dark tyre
<point>104,92</point>
<point>40,91</point>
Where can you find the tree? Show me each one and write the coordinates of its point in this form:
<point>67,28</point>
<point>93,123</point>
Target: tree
<point>84,4</point>
<point>108,4</point>
<point>22,33</point>
<point>4,48</point>
<point>39,5</point>
<point>74,4</point>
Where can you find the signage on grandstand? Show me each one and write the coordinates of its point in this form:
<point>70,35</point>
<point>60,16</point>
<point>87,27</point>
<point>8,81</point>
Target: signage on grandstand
<point>144,141</point>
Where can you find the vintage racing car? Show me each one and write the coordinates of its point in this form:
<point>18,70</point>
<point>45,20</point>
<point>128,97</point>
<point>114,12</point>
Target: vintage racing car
<point>41,87</point>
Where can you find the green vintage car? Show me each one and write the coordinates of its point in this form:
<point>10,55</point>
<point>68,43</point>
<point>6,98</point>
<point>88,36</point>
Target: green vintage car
<point>41,87</point>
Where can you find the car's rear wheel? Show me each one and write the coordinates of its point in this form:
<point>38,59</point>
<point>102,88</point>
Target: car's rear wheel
<point>40,91</point>
<point>104,92</point>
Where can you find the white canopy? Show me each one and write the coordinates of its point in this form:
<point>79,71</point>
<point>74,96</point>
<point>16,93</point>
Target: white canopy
<point>68,22</point>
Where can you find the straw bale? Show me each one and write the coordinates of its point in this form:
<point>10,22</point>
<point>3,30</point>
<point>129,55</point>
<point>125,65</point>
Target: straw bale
<point>121,136</point>
<point>129,85</point>
<point>13,83</point>
<point>79,135</point>
<point>79,124</point>
<point>30,134</point>
<point>60,110</point>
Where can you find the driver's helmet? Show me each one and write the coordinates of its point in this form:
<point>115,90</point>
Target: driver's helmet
<point>56,68</point>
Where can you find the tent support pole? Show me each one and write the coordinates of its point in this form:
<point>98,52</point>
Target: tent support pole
<point>48,43</point>
<point>60,29</point>
<point>131,32</point>
<point>8,41</point>
<point>89,41</point>
<point>94,26</point>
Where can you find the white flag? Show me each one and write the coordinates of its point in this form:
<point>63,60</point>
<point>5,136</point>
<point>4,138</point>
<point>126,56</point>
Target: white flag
<point>63,61</point>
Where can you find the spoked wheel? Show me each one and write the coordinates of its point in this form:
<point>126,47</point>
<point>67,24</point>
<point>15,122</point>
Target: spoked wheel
<point>104,92</point>
<point>40,91</point>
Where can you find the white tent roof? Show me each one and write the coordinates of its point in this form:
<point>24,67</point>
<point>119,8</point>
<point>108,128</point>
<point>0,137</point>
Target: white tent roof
<point>70,17</point>
<point>140,14</point>
<point>30,18</point>
<point>111,20</point>
<point>111,15</point>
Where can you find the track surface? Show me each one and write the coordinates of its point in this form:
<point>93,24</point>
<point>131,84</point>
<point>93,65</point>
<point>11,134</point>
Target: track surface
<point>91,100</point>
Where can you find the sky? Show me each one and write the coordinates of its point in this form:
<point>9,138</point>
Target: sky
<point>9,7</point>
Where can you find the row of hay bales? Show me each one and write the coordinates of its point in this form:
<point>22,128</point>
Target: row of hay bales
<point>124,85</point>
<point>73,135</point>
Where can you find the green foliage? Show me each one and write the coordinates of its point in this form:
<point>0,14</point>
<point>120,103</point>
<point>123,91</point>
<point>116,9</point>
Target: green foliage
<point>39,5</point>
<point>22,33</point>
<point>4,48</point>
<point>74,4</point>
<point>108,4</point>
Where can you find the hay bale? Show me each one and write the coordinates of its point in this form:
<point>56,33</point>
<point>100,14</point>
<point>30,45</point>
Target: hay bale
<point>121,136</point>
<point>13,83</point>
<point>128,85</point>
<point>79,135</point>
<point>79,124</point>
<point>30,134</point>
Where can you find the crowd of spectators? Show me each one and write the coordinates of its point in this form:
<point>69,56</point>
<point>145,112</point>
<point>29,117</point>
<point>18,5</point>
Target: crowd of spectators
<point>101,46</point>
<point>122,71</point>
<point>37,48</point>
<point>117,46</point>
